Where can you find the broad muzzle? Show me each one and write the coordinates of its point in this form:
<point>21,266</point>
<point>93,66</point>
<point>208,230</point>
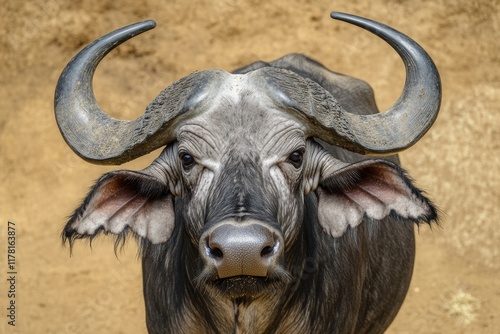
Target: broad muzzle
<point>241,249</point>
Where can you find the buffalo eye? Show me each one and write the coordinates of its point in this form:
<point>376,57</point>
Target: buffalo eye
<point>187,160</point>
<point>295,158</point>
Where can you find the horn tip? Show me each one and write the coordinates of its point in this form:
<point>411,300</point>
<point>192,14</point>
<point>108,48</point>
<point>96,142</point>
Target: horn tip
<point>339,15</point>
<point>150,24</point>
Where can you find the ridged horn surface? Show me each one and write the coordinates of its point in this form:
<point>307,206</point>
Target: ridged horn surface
<point>393,130</point>
<point>101,139</point>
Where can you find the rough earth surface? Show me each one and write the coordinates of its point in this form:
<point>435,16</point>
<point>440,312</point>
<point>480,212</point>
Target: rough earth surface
<point>456,283</point>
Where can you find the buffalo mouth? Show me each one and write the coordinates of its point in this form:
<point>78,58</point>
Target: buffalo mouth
<point>246,286</point>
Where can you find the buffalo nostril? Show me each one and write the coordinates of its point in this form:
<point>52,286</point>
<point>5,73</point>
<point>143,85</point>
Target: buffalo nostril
<point>216,253</point>
<point>213,250</point>
<point>266,251</point>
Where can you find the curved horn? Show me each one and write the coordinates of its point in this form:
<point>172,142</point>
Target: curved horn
<point>396,129</point>
<point>97,137</point>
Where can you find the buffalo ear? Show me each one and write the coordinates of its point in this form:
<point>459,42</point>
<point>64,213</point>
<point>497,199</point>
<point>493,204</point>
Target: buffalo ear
<point>373,190</point>
<point>122,201</point>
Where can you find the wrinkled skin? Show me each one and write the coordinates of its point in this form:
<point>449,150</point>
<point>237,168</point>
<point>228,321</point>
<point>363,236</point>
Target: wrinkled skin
<point>346,223</point>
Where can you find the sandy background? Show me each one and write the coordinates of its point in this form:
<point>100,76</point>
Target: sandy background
<point>456,285</point>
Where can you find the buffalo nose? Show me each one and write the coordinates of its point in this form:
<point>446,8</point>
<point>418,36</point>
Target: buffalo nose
<point>237,249</point>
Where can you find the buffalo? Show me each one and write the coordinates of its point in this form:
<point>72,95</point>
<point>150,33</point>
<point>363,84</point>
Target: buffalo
<point>262,214</point>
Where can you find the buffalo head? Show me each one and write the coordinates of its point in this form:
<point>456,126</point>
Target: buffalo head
<point>242,153</point>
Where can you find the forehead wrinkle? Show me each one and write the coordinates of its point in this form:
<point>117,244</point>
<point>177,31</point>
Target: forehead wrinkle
<point>196,133</point>
<point>259,120</point>
<point>285,137</point>
<point>242,119</point>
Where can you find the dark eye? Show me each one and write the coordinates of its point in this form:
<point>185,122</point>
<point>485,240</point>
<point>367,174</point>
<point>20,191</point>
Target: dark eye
<point>187,160</point>
<point>295,158</point>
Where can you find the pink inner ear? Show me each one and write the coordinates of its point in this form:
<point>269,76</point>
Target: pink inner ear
<point>117,205</point>
<point>124,210</point>
<point>378,190</point>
